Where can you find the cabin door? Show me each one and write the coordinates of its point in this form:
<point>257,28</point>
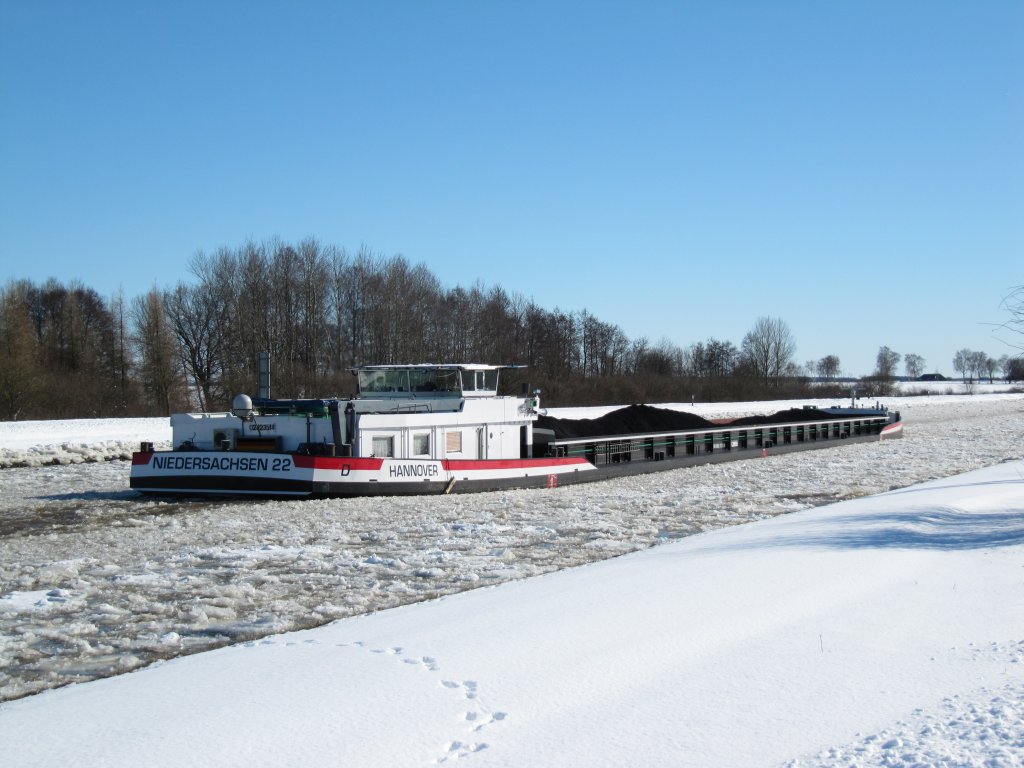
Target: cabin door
<point>473,443</point>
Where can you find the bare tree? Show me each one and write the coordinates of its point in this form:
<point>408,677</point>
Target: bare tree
<point>637,353</point>
<point>123,386</point>
<point>768,348</point>
<point>602,347</point>
<point>913,364</point>
<point>979,364</point>
<point>244,279</point>
<point>159,361</point>
<point>337,341</point>
<point>713,359</point>
<point>962,362</point>
<point>1014,370</point>
<point>311,317</point>
<point>663,360</point>
<point>199,324</point>
<point>991,365</point>
<point>885,363</point>
<point>828,367</point>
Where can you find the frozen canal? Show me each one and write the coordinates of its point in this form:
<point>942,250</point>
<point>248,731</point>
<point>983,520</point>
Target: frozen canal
<point>96,580</point>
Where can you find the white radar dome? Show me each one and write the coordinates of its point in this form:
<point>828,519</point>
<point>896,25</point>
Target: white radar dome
<point>241,406</point>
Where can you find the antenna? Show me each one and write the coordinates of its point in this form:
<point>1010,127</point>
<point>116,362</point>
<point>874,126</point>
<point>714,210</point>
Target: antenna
<point>263,376</point>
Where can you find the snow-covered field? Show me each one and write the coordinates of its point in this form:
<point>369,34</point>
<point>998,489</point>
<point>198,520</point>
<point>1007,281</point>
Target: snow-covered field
<point>886,630</point>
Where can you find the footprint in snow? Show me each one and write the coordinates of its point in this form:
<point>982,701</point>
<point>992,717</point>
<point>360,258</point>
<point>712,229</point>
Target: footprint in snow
<point>469,687</point>
<point>480,720</point>
<point>459,749</point>
<point>477,719</point>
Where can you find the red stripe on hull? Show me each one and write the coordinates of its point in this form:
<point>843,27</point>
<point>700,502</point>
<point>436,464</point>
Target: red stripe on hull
<point>466,465</point>
<point>335,462</point>
<point>892,431</point>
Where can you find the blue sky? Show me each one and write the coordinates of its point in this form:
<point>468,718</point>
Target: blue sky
<point>676,168</point>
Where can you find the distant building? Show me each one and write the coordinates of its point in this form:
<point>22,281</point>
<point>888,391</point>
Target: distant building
<point>932,377</point>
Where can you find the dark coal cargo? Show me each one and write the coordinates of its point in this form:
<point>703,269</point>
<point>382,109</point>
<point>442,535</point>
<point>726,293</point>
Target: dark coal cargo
<point>645,419</point>
<point>631,419</point>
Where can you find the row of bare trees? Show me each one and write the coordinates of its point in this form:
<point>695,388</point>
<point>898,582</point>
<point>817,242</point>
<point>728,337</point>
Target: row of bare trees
<point>976,365</point>
<point>320,310</point>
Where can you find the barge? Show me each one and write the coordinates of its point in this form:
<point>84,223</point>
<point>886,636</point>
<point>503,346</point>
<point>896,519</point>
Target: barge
<point>435,429</point>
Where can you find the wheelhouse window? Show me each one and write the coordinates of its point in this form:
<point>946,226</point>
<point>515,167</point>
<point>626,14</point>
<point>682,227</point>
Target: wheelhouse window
<point>384,381</point>
<point>434,380</point>
<point>431,381</point>
<point>405,381</point>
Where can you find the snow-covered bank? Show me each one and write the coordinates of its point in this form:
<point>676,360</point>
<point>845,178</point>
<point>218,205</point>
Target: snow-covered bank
<point>96,580</point>
<point>886,630</point>
<point>76,441</point>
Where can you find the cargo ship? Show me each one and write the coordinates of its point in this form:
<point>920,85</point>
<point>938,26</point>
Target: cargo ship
<point>436,429</point>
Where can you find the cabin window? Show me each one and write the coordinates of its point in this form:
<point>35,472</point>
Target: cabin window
<point>453,442</point>
<point>384,447</point>
<point>421,444</point>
